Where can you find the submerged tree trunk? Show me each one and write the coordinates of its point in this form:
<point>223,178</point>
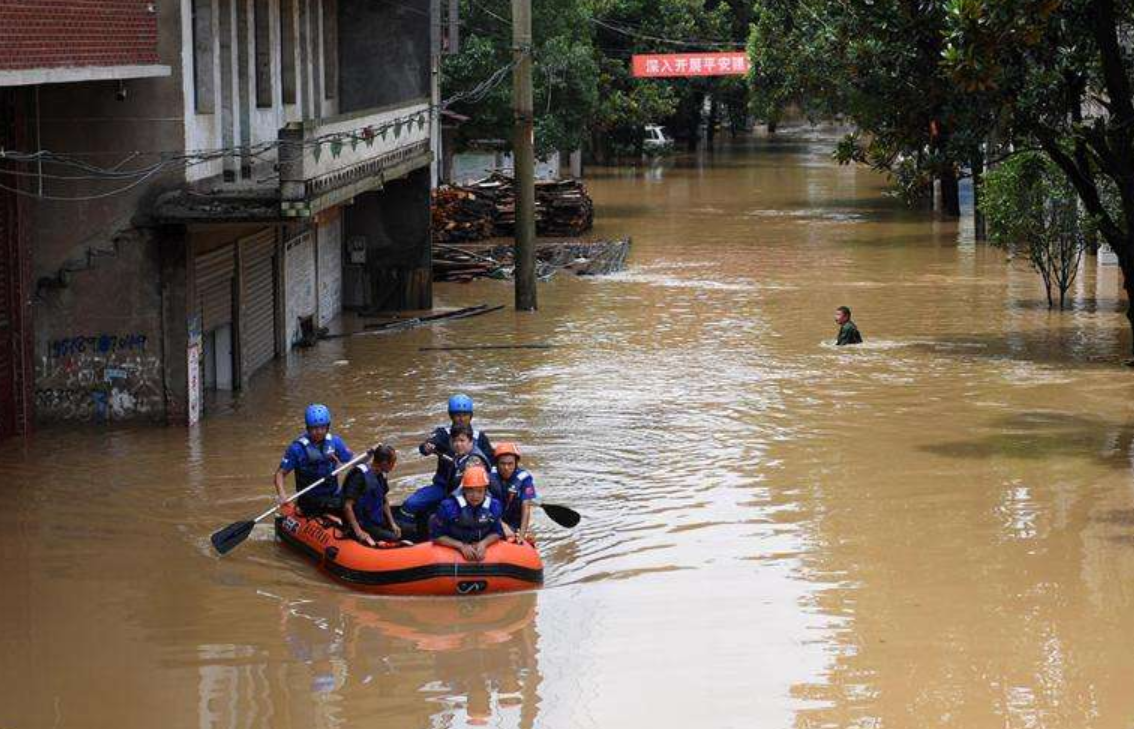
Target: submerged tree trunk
<point>950,192</point>
<point>980,229</point>
<point>1127,265</point>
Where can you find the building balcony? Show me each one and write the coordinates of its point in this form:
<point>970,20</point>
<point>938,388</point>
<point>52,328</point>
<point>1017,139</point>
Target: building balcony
<point>325,162</point>
<point>320,162</point>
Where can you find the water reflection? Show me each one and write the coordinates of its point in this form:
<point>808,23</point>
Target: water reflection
<point>411,662</point>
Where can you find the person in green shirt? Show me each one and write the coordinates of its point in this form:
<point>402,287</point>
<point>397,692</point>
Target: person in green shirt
<point>848,332</point>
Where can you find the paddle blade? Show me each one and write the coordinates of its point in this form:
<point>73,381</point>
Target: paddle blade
<point>231,536</point>
<point>561,515</point>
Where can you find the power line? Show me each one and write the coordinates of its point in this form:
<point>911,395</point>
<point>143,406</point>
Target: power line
<point>659,39</point>
<point>170,160</point>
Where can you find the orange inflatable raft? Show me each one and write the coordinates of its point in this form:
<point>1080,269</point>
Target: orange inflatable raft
<point>422,569</point>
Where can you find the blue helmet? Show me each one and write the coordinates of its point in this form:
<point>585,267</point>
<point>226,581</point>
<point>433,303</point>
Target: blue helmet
<point>460,404</point>
<point>317,416</point>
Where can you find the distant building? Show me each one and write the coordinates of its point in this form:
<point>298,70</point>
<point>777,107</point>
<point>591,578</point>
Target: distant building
<point>190,185</point>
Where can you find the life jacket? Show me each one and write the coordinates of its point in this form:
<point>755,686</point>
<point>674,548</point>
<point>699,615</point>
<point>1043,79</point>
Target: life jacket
<point>509,495</point>
<point>370,507</point>
<point>474,524</point>
<point>444,475</point>
<point>319,461</point>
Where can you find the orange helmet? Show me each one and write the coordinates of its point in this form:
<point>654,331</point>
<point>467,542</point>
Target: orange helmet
<point>475,478</point>
<point>507,448</point>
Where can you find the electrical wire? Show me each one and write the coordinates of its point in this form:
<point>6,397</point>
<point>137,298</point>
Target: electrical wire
<point>689,43</point>
<point>170,161</point>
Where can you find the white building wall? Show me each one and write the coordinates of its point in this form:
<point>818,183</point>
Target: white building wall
<point>329,253</point>
<point>204,131</point>
<point>299,283</point>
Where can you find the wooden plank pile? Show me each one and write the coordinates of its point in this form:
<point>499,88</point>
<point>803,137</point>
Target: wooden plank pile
<point>488,207</point>
<point>461,214</point>
<point>457,264</point>
<point>595,258</point>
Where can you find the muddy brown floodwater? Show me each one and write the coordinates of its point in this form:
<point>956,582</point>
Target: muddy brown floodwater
<point>935,529</point>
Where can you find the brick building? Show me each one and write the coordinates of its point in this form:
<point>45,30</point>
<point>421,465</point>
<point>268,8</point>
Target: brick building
<point>182,182</point>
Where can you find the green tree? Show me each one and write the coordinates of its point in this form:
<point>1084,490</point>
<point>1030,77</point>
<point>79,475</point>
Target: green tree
<point>565,74</point>
<point>1032,210</point>
<point>627,27</point>
<point>878,64</point>
<point>1059,73</point>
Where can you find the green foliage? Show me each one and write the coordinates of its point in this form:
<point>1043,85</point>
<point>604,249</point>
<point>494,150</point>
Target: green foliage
<point>1032,210</point>
<point>564,77</point>
<point>878,65</point>
<point>582,83</point>
<point>626,27</point>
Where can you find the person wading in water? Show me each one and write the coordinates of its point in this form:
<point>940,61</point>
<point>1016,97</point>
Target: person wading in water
<point>848,332</point>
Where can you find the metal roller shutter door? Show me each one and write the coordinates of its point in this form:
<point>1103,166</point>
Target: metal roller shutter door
<point>258,301</point>
<point>214,274</point>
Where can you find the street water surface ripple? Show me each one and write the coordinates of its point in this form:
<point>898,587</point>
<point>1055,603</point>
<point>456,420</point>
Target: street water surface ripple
<point>935,529</point>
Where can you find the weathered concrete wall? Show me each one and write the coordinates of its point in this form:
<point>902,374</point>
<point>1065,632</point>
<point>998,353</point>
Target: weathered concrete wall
<point>98,342</point>
<point>97,267</point>
<point>299,283</point>
<point>330,265</point>
<point>395,224</point>
<point>384,52</point>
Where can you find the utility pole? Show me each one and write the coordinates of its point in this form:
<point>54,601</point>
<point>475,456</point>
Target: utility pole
<point>523,155</point>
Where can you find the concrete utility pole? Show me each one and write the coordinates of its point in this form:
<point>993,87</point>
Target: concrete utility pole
<point>523,155</point>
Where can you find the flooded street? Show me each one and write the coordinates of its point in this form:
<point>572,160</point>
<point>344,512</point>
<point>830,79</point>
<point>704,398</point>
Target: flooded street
<point>935,529</point>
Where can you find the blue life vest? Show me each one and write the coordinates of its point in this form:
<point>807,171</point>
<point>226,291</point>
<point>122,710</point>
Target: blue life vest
<point>446,469</point>
<point>319,461</point>
<point>509,495</point>
<point>474,524</point>
<point>370,507</point>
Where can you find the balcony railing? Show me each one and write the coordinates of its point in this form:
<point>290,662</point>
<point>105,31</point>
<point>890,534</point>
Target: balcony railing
<point>324,162</point>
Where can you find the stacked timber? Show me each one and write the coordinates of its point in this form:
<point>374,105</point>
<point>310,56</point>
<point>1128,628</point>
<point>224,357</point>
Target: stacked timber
<point>594,258</point>
<point>451,263</point>
<point>567,209</point>
<point>488,207</point>
<point>461,214</point>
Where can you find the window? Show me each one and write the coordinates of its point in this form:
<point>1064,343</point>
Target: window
<point>202,28</point>
<point>287,49</point>
<point>262,10</point>
<point>330,48</point>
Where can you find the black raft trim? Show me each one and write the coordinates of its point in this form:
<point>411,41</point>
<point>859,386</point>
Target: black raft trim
<point>412,574</point>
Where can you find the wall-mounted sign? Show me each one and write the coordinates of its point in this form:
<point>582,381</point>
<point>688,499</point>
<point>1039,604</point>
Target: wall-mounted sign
<point>679,65</point>
<point>193,396</point>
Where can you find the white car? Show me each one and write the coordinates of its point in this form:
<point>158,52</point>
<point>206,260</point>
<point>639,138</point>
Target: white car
<point>656,138</point>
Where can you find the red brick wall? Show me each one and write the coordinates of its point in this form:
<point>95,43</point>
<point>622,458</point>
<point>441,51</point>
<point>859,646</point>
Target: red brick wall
<point>69,33</point>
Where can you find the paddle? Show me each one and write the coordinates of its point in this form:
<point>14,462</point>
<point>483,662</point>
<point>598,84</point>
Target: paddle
<point>231,536</point>
<point>561,515</point>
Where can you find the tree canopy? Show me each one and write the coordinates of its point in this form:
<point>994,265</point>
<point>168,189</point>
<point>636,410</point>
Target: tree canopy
<point>583,88</point>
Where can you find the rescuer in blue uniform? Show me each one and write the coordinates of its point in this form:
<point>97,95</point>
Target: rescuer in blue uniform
<point>469,521</point>
<point>440,443</point>
<point>312,456</point>
<point>365,503</point>
<point>514,487</point>
<point>414,513</point>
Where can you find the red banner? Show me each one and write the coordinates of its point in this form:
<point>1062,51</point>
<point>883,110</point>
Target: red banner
<point>676,65</point>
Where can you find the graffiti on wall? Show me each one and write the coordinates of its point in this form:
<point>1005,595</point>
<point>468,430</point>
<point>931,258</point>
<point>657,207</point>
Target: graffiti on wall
<point>100,378</point>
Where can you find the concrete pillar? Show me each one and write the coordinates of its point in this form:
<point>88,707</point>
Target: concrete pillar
<point>176,295</point>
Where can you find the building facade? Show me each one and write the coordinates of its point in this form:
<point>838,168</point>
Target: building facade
<point>250,168</point>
